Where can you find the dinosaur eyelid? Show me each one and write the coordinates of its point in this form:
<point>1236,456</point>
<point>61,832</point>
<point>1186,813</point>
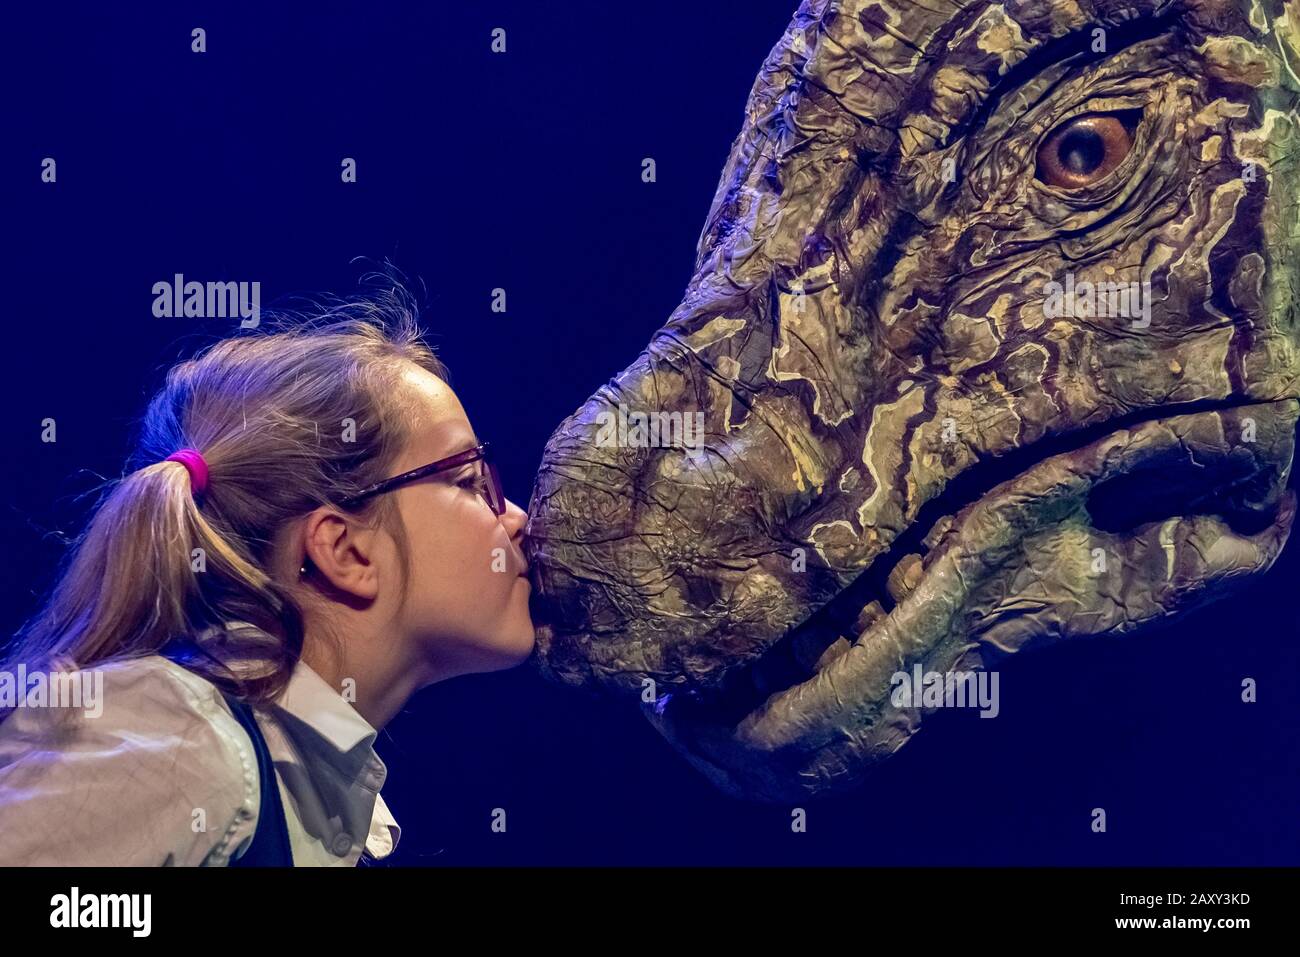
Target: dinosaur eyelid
<point>1086,148</point>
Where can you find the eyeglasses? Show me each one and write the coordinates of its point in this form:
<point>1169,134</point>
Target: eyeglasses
<point>491,481</point>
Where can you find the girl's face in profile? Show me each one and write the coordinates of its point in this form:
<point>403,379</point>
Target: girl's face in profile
<point>467,596</point>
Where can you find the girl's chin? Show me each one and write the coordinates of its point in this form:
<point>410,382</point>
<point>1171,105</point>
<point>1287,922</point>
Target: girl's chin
<point>515,645</point>
<point>527,642</point>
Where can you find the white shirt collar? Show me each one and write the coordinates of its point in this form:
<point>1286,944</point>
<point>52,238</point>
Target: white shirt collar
<point>385,832</point>
<point>325,723</point>
<point>324,716</point>
<point>313,702</point>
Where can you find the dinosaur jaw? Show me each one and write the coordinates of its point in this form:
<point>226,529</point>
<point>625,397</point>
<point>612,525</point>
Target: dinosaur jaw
<point>1128,529</point>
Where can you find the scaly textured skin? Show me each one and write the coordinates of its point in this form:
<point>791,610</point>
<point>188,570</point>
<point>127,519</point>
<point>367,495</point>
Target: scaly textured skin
<point>868,323</point>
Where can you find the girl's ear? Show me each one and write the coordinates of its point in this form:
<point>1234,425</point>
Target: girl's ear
<point>341,554</point>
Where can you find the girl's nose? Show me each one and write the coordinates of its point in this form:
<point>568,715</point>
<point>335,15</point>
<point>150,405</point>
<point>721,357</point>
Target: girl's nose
<point>514,519</point>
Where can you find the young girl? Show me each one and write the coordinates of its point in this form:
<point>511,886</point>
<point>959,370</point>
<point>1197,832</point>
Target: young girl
<point>312,533</point>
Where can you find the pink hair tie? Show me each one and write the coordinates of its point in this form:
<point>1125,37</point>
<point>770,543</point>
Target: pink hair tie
<point>192,459</point>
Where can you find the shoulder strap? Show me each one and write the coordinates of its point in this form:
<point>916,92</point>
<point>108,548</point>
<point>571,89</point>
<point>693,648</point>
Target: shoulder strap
<point>270,846</point>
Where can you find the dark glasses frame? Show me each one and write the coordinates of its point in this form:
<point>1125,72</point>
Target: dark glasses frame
<point>492,494</point>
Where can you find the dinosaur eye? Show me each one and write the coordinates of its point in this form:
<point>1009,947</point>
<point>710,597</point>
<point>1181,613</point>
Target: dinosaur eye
<point>1086,148</point>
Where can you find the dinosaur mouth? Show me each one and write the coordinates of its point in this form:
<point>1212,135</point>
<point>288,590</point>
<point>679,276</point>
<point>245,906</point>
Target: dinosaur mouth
<point>1192,456</point>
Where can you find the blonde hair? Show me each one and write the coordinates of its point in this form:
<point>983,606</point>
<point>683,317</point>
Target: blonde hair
<point>303,413</point>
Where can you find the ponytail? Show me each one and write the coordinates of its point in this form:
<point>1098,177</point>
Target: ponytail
<point>157,571</point>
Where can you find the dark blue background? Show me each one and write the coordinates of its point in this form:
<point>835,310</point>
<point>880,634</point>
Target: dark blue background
<point>522,171</point>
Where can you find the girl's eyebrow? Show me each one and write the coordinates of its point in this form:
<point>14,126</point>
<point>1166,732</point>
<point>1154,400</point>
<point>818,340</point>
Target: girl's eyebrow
<point>457,469</point>
<point>464,445</point>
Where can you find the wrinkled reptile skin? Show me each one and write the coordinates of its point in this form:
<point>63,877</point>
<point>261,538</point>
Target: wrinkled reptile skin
<point>866,328</point>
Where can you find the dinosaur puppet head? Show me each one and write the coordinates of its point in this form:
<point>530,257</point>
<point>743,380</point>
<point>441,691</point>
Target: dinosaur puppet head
<point>991,341</point>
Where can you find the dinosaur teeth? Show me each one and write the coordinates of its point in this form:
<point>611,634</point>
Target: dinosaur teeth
<point>904,577</point>
<point>811,650</point>
<point>813,654</point>
<point>837,647</point>
<point>937,531</point>
<point>808,648</point>
<point>868,616</point>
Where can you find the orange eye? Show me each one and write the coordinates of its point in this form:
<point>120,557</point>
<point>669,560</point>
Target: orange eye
<point>1083,150</point>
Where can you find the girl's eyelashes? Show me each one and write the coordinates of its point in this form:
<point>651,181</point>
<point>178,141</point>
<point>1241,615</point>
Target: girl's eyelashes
<point>473,482</point>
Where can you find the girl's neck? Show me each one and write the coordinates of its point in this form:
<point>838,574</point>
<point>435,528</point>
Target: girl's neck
<point>380,685</point>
